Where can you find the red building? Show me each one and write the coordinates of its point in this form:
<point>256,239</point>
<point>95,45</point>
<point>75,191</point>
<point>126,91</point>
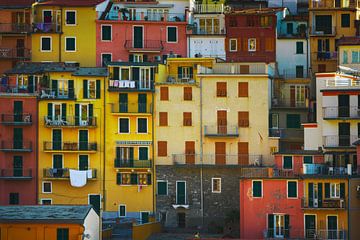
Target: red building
<point>141,31</point>
<point>251,35</point>
<point>18,139</point>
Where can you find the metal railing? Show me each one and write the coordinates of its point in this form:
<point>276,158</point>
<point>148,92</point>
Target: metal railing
<point>342,83</point>
<point>215,31</point>
<point>16,119</point>
<point>254,172</point>
<point>16,89</point>
<point>208,8</point>
<point>322,32</point>
<point>289,102</point>
<point>65,173</point>
<point>70,146</point>
<point>341,112</point>
<point>154,45</point>
<point>217,159</point>
<point>324,56</point>
<point>16,146</point>
<point>132,163</point>
<point>14,53</point>
<point>292,73</point>
<point>131,108</point>
<point>327,203</point>
<point>222,130</point>
<point>69,121</point>
<point>235,68</point>
<point>42,27</point>
<point>145,16</point>
<point>283,33</point>
<point>286,132</point>
<point>50,93</point>
<point>121,85</point>
<point>291,233</point>
<point>14,173</point>
<point>322,169</point>
<point>339,140</point>
<point>15,28</point>
<point>180,79</point>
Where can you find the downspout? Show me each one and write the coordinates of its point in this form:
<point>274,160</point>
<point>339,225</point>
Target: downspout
<point>348,211</point>
<point>38,171</point>
<point>104,150</point>
<point>61,33</point>
<point>152,147</point>
<point>201,159</point>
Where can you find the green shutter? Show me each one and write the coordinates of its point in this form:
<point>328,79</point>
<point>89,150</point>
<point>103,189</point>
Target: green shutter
<point>342,190</point>
<point>308,159</point>
<point>191,72</point>
<point>180,72</point>
<point>54,86</point>
<point>270,225</point>
<point>148,179</point>
<point>143,153</point>
<point>77,113</point>
<point>56,138</point>
<point>310,194</point>
<point>71,89</point>
<point>83,140</point>
<point>162,188</point>
<point>123,102</point>
<point>18,138</point>
<point>131,58</point>
<point>63,111</point>
<point>98,88</point>
<point>83,162</point>
<point>85,88</point>
<point>292,189</point>
<point>145,58</point>
<point>91,114</point>
<point>50,111</point>
<point>180,193</point>
<point>133,179</point>
<point>327,190</point>
<point>287,223</point>
<point>320,194</point>
<point>57,161</point>
<point>257,189</point>
<point>287,162</point>
<point>142,103</point>
<point>118,178</point>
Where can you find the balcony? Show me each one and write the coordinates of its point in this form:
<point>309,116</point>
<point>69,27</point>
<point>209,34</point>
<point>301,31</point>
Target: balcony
<point>331,4</point>
<point>322,169</point>
<point>146,45</point>
<point>8,89</point>
<point>301,32</point>
<point>325,56</point>
<point>236,68</point>
<point>316,32</point>
<point>221,131</point>
<point>63,94</point>
<point>286,133</point>
<point>282,102</point>
<point>291,73</point>
<point>208,8</point>
<point>64,173</point>
<point>16,146</point>
<point>342,83</point>
<point>130,86</point>
<point>337,113</point>
<point>217,159</point>
<point>122,163</point>
<point>327,203</point>
<point>42,27</point>
<point>16,174</point>
<point>342,141</point>
<point>70,146</point>
<point>180,79</point>
<point>145,16</point>
<point>215,31</point>
<point>132,108</point>
<point>15,28</point>
<point>69,121</point>
<point>16,119</point>
<point>14,53</point>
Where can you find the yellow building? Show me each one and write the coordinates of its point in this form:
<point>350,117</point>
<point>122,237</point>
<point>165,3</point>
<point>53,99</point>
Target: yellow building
<point>71,135</point>
<point>64,32</point>
<point>349,49</point>
<point>330,20</point>
<point>129,141</point>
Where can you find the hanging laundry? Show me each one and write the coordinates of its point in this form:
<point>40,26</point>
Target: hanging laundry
<point>89,174</point>
<point>78,178</point>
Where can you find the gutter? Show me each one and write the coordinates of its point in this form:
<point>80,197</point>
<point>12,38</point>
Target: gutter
<point>201,159</point>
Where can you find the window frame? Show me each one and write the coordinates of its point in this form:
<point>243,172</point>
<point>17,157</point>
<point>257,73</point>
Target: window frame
<point>61,228</point>
<point>157,187</point>
<point>312,159</point>
<point>302,47</point>
<point>167,34</point>
<point>45,199</point>
<point>66,38</point>
<point>337,191</point>
<point>102,36</point>
<point>71,24</point>
<point>88,88</point>
<point>119,128</point>
<point>287,189</point>
<point>292,162</point>
<point>212,184</point>
<point>43,188</point>
<point>230,40</point>
<point>119,212</point>
<point>252,188</point>
<point>249,40</point>
<point>41,44</point>
<point>137,125</point>
<point>102,58</point>
<point>162,155</point>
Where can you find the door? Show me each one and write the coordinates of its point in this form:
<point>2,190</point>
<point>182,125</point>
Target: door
<point>144,217</point>
<point>344,134</point>
<point>181,219</point>
<point>292,96</point>
<point>84,115</point>
<point>190,152</point>
<point>18,138</point>
<point>138,37</point>
<point>145,78</point>
<point>343,103</point>
<point>221,122</point>
<point>332,227</point>
<point>220,153</point>
<point>243,153</point>
<point>181,192</point>
<point>18,111</point>
<point>310,226</point>
<point>83,162</point>
<point>95,201</point>
<point>83,140</point>
<point>142,103</point>
<point>20,48</point>
<point>56,139</point>
<point>279,226</point>
<point>17,166</point>
<point>47,16</point>
<point>123,102</point>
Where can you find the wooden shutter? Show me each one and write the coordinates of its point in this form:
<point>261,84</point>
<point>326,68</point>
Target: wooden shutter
<point>85,88</point>
<point>187,93</point>
<point>71,89</point>
<point>287,223</point>
<point>190,152</point>
<point>310,195</point>
<point>243,153</point>
<point>91,114</point>
<point>54,86</point>
<point>220,151</point>
<point>222,121</point>
<point>221,89</point>
<point>164,93</point>
<point>77,113</point>
<point>244,69</point>
<point>270,226</point>
<point>327,190</point>
<point>239,44</point>
<point>187,119</point>
<point>243,119</point>
<point>245,44</point>
<point>320,194</point>
<point>63,111</point>
<point>258,45</point>
<point>162,148</point>
<point>269,44</point>
<point>50,111</point>
<point>243,89</point>
<point>342,190</point>
<point>227,44</point>
<point>163,118</point>
<point>98,86</point>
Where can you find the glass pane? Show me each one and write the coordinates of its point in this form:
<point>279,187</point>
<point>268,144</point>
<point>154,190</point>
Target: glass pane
<point>208,25</point>
<point>92,89</point>
<point>216,26</point>
<point>84,112</point>
<point>125,74</point>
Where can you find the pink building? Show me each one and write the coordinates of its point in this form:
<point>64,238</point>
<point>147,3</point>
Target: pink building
<point>140,32</point>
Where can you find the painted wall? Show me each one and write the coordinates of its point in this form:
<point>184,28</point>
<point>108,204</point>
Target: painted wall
<point>298,161</point>
<point>91,225</point>
<point>207,46</point>
<point>144,231</point>
<point>349,63</point>
<point>354,214</point>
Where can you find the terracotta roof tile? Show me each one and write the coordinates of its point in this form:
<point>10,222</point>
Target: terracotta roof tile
<point>71,3</point>
<point>16,3</point>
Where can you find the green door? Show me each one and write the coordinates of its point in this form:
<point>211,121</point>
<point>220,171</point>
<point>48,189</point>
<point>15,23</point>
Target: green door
<point>18,111</point>
<point>138,37</point>
<point>332,227</point>
<point>144,217</point>
<point>142,103</point>
<point>18,138</point>
<point>310,227</point>
<point>83,140</point>
<point>17,166</point>
<point>95,201</point>
<point>83,162</point>
<point>180,192</point>
<point>123,102</point>
<point>56,139</point>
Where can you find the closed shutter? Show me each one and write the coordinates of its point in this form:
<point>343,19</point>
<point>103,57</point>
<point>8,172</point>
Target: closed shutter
<point>220,151</point>
<point>85,88</point>
<point>162,148</point>
<point>320,194</point>
<point>180,193</point>
<point>116,73</point>
<point>54,86</point>
<point>163,118</point>
<point>187,119</point>
<point>143,153</point>
<point>287,223</point>
<point>221,89</point>
<point>245,44</point>
<point>270,225</point>
<point>136,74</point>
<point>243,153</point>
<point>257,188</point>
<point>258,44</point>
<point>162,188</point>
<point>342,190</point>
<point>148,179</point>
<point>190,152</point>
<point>180,72</point>
<point>243,89</point>
<point>327,190</point>
<point>287,162</point>
<point>91,114</point>
<point>71,89</point>
<point>18,138</point>
<point>31,84</point>
<point>83,140</point>
<point>227,45</point>
<point>118,178</point>
<point>50,111</point>
<point>187,93</point>
<point>164,93</point>
<point>145,58</point>
<point>133,178</point>
<point>98,88</point>
<point>310,194</point>
<point>269,44</point>
<point>292,189</point>
<point>244,69</point>
<point>142,103</point>
<point>222,122</point>
<point>239,44</point>
<point>118,153</point>
<point>123,102</point>
<point>77,113</point>
<point>131,57</point>
<point>63,111</point>
<point>243,119</point>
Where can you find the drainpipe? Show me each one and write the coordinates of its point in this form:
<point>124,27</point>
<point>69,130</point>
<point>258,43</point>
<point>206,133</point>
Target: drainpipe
<point>348,209</point>
<point>153,148</point>
<point>104,150</point>
<point>37,171</point>
<point>60,35</point>
<point>201,159</point>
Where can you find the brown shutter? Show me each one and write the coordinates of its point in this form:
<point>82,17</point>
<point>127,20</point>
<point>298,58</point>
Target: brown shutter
<point>162,148</point>
<point>221,89</point>
<point>243,89</point>
<point>258,45</point>
<point>227,40</point>
<point>292,96</point>
<point>239,44</point>
<point>164,93</point>
<point>220,153</point>
<point>222,121</point>
<point>243,153</point>
<point>163,118</point>
<point>190,152</point>
<point>245,42</point>
<point>187,93</point>
<point>244,69</point>
<point>187,119</point>
<point>243,119</point>
<point>269,44</point>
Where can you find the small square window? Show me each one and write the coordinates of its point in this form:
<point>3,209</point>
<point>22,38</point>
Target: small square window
<point>122,210</point>
<point>106,57</point>
<point>308,159</point>
<point>252,44</point>
<point>162,188</point>
<point>106,33</point>
<point>46,187</point>
<point>345,20</point>
<point>142,125</point>
<point>143,153</point>
<point>62,234</point>
<point>14,198</point>
<point>45,44</point>
<point>257,189</point>
<point>299,48</point>
<point>287,162</point>
<point>233,45</point>
<point>292,189</point>
<point>172,34</point>
<point>70,44</point>
<point>124,125</point>
<point>70,17</point>
<point>46,201</point>
<point>216,185</point>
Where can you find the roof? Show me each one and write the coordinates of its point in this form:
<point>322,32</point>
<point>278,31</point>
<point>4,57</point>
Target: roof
<point>70,3</point>
<point>132,64</point>
<point>45,213</point>
<point>300,152</point>
<point>253,11</point>
<point>349,41</point>
<point>96,72</point>
<point>16,4</point>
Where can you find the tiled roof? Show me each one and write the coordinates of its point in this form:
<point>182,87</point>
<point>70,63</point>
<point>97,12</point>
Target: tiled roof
<point>71,3</point>
<point>253,11</point>
<point>349,41</point>
<point>45,213</point>
<point>96,72</point>
<point>15,4</point>
<point>300,152</point>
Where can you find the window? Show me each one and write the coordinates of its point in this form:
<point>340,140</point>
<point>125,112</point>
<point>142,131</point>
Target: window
<point>274,120</point>
<point>91,94</point>
<point>133,179</point>
<point>265,21</point>
<point>172,34</point>
<point>162,148</point>
<point>13,198</point>
<point>345,57</point>
<point>269,44</point>
<point>163,118</point>
<point>299,48</point>
<point>70,44</point>
<point>233,44</point>
<point>125,74</point>
<point>105,58</point>
<point>164,93</point>
<point>143,153</point>
<point>62,234</point>
<point>187,93</point>
<point>221,89</point>
<point>243,89</point>
<point>180,192</point>
<point>299,71</point>
<point>209,26</point>
<point>243,119</point>
<point>289,28</point>
<point>187,119</point>
<point>142,125</point>
<point>123,178</point>
<point>287,162</point>
<point>162,188</point>
<point>292,189</point>
<point>106,32</point>
<point>46,201</point>
<point>257,188</point>
<point>122,210</point>
<point>45,43</point>
<point>138,58</point>
<point>278,226</point>
<point>345,20</point>
<point>143,178</point>
<point>252,44</point>
<point>308,159</point>
<point>293,121</point>
<point>355,57</point>
<point>216,185</point>
<point>334,190</point>
<point>70,17</point>
<point>46,187</point>
<point>124,125</point>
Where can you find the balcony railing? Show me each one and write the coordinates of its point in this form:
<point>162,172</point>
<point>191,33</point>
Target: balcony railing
<point>327,203</point>
<point>15,28</point>
<point>255,172</point>
<point>144,16</point>
<point>293,233</point>
<point>217,159</point>
<point>330,31</point>
<point>42,27</point>
<point>349,83</point>
<point>70,146</point>
<point>286,133</point>
<point>69,121</point>
<point>64,173</point>
<point>236,68</point>
<point>208,8</point>
<point>292,73</point>
<point>49,93</point>
<point>215,31</point>
<point>131,163</point>
<point>339,140</point>
<point>14,53</point>
<point>331,4</point>
<point>282,102</point>
<point>130,85</point>
<point>16,146</point>
<point>325,56</point>
<point>16,173</point>
<point>146,45</point>
<point>16,119</point>
<point>283,33</point>
<point>221,131</point>
<point>16,89</point>
<point>341,112</point>
<point>131,108</point>
<point>322,169</point>
<point>180,79</point>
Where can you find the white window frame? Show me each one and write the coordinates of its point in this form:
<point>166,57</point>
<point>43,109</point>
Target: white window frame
<point>102,57</point>
<point>46,199</point>
<point>65,45</point>
<point>144,212</point>
<point>334,194</point>
<point>147,125</point>
<point>111,37</point>
<point>212,185</point>
<point>122,205</point>
<point>66,11</point>
<point>128,125</point>
<point>42,187</point>
<point>287,189</point>
<point>167,187</point>
<point>41,44</point>
<point>177,192</point>
<point>230,40</point>
<point>262,188</point>
<point>249,40</point>
<point>167,34</point>
<point>138,58</point>
<point>81,116</point>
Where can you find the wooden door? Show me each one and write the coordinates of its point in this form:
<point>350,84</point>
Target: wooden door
<point>222,122</point>
<point>243,153</point>
<point>190,152</point>
<point>220,153</point>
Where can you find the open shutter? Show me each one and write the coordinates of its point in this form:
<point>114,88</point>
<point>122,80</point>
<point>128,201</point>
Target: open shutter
<point>191,72</point>
<point>98,95</point>
<point>180,72</point>
<point>270,225</point>
<point>136,74</point>
<point>54,86</point>
<point>50,110</point>
<point>342,190</point>
<point>91,114</point>
<point>131,58</point>
<point>77,120</point>
<point>320,194</point>
<point>327,190</point>
<point>118,153</point>
<point>239,43</point>
<point>71,89</point>
<point>63,111</point>
<point>31,84</point>
<point>131,156</point>
<point>145,58</point>
<point>85,88</point>
<point>148,179</point>
<point>118,178</point>
<point>311,194</point>
<point>152,75</point>
<point>287,223</point>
